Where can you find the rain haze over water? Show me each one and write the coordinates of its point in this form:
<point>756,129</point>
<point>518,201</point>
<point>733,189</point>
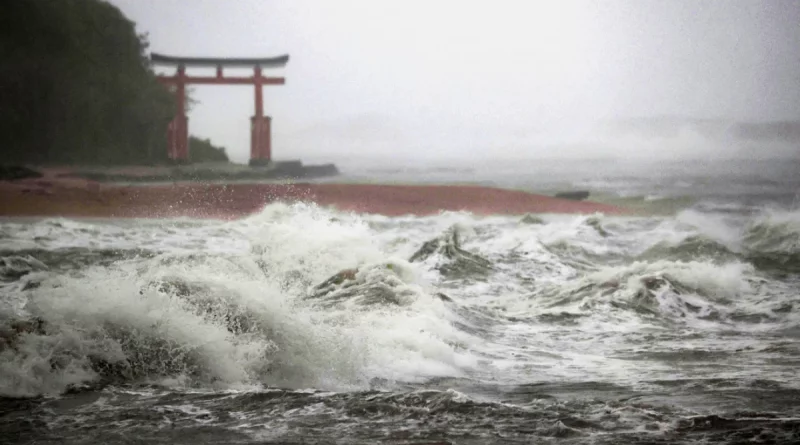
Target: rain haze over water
<point>472,79</point>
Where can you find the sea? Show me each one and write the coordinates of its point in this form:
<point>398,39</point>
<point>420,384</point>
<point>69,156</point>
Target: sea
<point>677,324</point>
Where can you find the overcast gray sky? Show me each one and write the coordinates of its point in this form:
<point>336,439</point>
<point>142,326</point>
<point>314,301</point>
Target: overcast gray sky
<point>463,78</point>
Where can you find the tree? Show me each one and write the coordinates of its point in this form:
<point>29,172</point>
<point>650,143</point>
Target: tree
<point>77,86</point>
<point>202,150</point>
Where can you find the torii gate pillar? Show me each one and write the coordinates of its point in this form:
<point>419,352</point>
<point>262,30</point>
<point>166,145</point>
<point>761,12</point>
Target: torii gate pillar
<point>260,140</point>
<point>260,125</point>
<point>178,128</point>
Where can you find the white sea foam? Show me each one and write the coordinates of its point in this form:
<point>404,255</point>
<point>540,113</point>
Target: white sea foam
<point>226,304</point>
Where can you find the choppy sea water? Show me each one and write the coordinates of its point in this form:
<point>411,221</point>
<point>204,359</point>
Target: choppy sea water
<point>444,329</point>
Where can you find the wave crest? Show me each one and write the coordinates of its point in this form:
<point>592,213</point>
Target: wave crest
<point>773,241</point>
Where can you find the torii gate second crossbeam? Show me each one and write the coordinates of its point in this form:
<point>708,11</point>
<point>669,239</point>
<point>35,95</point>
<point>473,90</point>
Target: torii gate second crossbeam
<point>260,127</point>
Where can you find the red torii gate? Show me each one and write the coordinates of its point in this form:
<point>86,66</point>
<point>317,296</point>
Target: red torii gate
<point>260,128</point>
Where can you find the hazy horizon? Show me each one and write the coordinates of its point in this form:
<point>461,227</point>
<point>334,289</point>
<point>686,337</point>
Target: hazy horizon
<point>476,79</point>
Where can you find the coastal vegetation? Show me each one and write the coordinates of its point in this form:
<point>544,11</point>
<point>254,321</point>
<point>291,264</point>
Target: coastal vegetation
<point>205,151</point>
<point>78,88</point>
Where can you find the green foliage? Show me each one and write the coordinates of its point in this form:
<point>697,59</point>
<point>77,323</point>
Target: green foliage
<point>77,86</point>
<point>202,150</point>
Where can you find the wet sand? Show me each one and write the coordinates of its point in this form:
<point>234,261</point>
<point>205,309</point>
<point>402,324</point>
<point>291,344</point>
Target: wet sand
<point>82,198</point>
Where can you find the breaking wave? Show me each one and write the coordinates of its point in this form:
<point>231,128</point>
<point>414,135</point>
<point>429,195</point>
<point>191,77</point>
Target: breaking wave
<point>301,297</point>
<point>222,320</point>
<point>773,241</point>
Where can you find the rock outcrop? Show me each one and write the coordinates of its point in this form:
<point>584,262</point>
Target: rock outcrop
<point>16,172</point>
<point>372,285</point>
<point>577,195</point>
<point>379,284</point>
<point>9,334</point>
<point>454,261</point>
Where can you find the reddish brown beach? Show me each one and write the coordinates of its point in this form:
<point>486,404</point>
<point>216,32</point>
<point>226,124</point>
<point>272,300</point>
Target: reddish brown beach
<point>74,197</point>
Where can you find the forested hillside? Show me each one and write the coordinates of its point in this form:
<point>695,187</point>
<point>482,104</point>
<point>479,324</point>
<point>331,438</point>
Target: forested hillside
<point>77,87</point>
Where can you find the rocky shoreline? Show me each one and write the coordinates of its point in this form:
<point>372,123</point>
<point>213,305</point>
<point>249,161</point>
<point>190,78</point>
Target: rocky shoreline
<point>281,170</point>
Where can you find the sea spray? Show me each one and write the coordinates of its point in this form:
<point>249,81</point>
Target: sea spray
<point>583,326</point>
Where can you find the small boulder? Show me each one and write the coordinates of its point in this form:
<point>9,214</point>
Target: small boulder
<point>444,297</point>
<point>531,219</point>
<point>16,172</point>
<point>577,195</point>
<point>337,279</point>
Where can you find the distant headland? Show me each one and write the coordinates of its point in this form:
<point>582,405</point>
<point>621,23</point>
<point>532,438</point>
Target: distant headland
<point>786,131</point>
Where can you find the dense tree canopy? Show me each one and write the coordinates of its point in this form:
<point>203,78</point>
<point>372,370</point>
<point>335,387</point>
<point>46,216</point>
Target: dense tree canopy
<point>204,150</point>
<point>77,86</point>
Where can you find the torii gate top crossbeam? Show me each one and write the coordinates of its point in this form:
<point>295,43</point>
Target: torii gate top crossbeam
<point>265,62</point>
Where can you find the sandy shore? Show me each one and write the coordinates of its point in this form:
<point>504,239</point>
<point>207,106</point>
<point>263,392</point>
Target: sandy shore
<point>75,197</point>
